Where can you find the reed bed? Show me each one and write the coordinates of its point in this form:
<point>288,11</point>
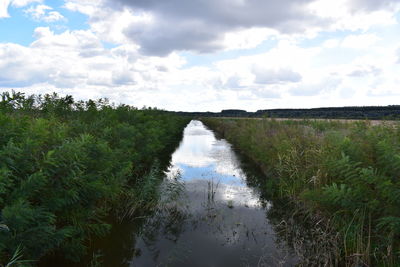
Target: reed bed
<point>345,172</point>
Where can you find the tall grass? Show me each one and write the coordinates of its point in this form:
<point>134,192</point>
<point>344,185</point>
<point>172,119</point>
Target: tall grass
<point>16,259</point>
<point>349,172</point>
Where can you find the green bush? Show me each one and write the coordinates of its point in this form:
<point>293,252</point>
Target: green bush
<point>65,164</point>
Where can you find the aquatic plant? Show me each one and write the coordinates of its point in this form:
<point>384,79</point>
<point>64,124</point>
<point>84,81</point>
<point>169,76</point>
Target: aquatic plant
<point>230,204</point>
<point>212,188</point>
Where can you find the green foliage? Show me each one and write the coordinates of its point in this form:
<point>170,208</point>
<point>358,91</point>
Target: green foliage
<point>64,165</point>
<point>350,172</point>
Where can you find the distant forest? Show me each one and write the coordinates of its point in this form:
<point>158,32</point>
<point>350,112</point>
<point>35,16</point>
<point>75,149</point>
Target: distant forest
<point>370,112</point>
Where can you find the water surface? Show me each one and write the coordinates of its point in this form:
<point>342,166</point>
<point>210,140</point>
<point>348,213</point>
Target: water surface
<point>208,215</point>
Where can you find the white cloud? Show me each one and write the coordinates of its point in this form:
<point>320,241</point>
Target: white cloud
<point>273,76</point>
<point>398,55</point>
<point>44,13</point>
<point>53,59</point>
<point>363,71</point>
<point>354,14</point>
<point>354,41</point>
<point>357,5</point>
<point>247,38</point>
<point>331,43</point>
<point>82,41</point>
<point>76,62</point>
<point>38,11</point>
<point>18,67</point>
<point>87,7</point>
<point>4,8</point>
<point>4,4</point>
<point>316,88</point>
<point>355,60</point>
<point>286,63</point>
<point>361,41</point>
<point>53,16</point>
<point>233,82</point>
<point>23,3</point>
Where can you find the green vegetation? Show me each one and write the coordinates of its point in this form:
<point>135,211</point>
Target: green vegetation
<point>65,165</point>
<point>348,173</point>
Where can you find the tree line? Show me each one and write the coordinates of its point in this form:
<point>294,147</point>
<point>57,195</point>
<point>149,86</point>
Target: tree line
<point>367,112</point>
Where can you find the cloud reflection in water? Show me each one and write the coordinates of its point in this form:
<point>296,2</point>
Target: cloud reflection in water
<point>217,220</point>
<point>201,156</point>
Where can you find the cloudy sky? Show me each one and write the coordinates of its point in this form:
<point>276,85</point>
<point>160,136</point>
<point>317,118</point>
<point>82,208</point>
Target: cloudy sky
<point>204,55</point>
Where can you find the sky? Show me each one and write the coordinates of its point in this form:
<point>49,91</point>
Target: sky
<point>204,55</point>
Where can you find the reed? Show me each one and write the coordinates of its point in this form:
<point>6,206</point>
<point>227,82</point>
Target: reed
<point>349,172</point>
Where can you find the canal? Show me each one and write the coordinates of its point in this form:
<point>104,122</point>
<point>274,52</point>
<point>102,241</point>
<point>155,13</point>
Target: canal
<point>208,214</point>
<point>210,211</point>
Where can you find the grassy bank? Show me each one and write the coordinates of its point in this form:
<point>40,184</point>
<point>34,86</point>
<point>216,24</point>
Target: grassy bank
<point>64,166</point>
<point>348,173</point>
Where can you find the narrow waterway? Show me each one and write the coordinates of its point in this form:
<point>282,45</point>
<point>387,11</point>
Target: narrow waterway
<point>209,210</point>
<point>208,215</point>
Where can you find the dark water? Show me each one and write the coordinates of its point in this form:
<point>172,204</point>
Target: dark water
<point>210,213</point>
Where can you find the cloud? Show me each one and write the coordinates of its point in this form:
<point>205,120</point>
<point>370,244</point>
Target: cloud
<point>207,26</point>
<point>267,74</point>
<point>51,58</point>
<point>123,77</point>
<point>363,71</point>
<point>267,92</point>
<point>22,3</point>
<point>76,62</point>
<point>44,13</point>
<point>347,92</point>
<point>355,15</point>
<point>274,76</point>
<point>4,9</point>
<point>53,16</point>
<point>202,26</point>
<point>78,40</point>
<point>281,14</point>
<point>233,82</point>
<point>370,5</point>
<point>19,67</point>
<point>316,88</point>
<point>246,38</point>
<point>353,41</point>
<point>398,55</point>
<point>4,4</point>
<point>361,41</point>
<point>355,55</point>
<point>331,43</point>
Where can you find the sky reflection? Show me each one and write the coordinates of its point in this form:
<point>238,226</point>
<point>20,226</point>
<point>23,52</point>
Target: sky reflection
<point>202,157</point>
<point>207,214</point>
